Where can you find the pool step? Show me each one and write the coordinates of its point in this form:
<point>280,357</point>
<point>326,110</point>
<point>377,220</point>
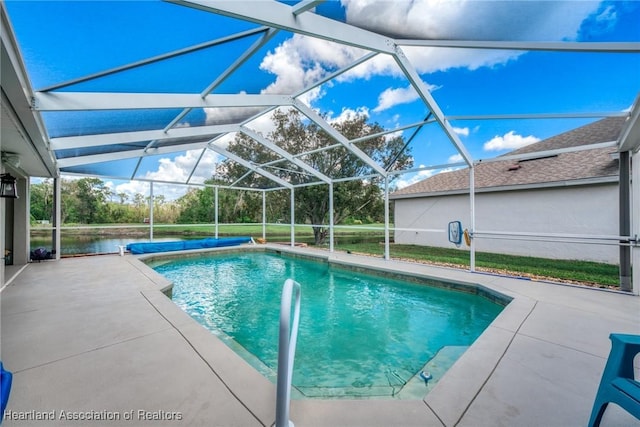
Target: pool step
<point>417,387</point>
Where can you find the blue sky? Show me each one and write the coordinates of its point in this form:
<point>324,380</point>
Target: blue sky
<point>65,40</point>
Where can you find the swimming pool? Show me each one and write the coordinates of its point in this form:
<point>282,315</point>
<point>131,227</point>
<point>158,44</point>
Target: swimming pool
<point>361,335</point>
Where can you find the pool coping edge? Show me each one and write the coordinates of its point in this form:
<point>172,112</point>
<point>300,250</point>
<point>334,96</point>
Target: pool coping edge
<point>448,400</point>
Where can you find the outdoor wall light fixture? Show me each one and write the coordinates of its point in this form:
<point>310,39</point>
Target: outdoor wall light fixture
<point>8,186</point>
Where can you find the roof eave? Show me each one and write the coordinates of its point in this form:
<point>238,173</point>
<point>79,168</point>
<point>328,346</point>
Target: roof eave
<point>629,139</point>
<point>610,179</point>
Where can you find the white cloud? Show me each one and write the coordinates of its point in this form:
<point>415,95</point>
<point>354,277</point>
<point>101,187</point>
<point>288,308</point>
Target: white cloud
<point>218,116</point>
<point>176,170</point>
<point>300,61</point>
<point>605,19</point>
<point>465,20</point>
<point>392,97</point>
<point>509,141</point>
<point>471,20</point>
<point>379,65</point>
<point>461,131</point>
<point>131,188</point>
<point>455,158</point>
<point>264,124</point>
<point>392,135</point>
<point>347,114</point>
<point>406,181</point>
<point>207,166</point>
<point>311,95</point>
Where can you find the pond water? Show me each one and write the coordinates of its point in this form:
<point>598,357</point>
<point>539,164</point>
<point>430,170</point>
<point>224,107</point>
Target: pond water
<point>82,244</point>
<point>76,245</point>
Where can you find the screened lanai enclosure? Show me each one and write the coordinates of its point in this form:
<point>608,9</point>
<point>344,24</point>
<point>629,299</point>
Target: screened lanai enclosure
<point>273,98</point>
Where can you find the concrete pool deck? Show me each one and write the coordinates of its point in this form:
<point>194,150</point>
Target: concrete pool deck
<point>95,337</point>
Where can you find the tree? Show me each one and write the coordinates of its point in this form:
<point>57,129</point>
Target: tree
<point>354,197</point>
<point>197,206</point>
<point>89,201</point>
<point>234,206</point>
<point>123,197</point>
<point>41,202</point>
<point>92,196</point>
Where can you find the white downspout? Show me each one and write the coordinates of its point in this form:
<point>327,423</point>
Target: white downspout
<point>472,203</point>
<point>264,214</point>
<point>215,202</point>
<point>293,219</point>
<point>151,211</point>
<point>387,249</point>
<point>331,235</point>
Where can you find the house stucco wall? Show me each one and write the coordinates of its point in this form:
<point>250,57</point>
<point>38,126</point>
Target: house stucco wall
<point>589,210</point>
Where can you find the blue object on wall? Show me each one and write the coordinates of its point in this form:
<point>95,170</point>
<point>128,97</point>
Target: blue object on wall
<point>5,387</point>
<point>455,232</point>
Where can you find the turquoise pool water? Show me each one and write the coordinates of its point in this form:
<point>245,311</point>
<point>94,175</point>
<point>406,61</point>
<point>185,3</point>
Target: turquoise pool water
<point>360,335</point>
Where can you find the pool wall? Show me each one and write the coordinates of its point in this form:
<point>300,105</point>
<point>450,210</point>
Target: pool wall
<point>463,380</point>
<point>454,285</point>
<point>451,396</point>
<point>471,288</point>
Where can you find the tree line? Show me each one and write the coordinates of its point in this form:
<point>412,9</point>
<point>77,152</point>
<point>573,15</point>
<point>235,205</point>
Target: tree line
<point>90,201</point>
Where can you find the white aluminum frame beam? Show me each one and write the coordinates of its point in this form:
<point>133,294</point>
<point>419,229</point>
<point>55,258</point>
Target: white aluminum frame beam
<point>629,139</point>
<point>99,158</point>
<point>138,136</point>
<point>249,165</point>
<point>160,181</point>
<point>304,5</point>
<point>317,119</point>
<point>394,130</point>
<point>278,15</point>
<point>430,167</point>
<point>156,58</point>
<point>602,47</point>
<point>195,166</point>
<point>577,115</point>
<point>415,80</point>
<point>130,154</point>
<point>89,101</point>
<point>336,73</point>
<point>257,45</point>
<point>284,154</point>
<point>248,53</point>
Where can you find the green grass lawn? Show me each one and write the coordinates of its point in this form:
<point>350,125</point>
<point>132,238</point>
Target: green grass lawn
<point>586,272</point>
<point>537,268</point>
<point>254,230</point>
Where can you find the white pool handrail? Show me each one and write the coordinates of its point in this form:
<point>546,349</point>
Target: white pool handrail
<point>286,351</point>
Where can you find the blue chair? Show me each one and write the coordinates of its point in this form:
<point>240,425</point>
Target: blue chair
<point>618,384</point>
<point>5,388</point>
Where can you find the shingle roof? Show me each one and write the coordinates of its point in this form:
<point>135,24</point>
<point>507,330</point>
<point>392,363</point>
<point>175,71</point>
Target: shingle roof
<point>585,164</point>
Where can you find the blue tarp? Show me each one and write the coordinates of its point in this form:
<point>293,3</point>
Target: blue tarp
<point>182,245</point>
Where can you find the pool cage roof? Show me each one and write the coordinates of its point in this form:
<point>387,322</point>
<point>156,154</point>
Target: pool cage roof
<point>152,83</point>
